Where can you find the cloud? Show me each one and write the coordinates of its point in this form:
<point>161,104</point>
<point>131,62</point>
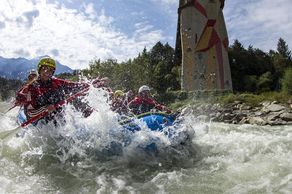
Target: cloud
<point>22,52</point>
<point>2,25</point>
<point>168,2</point>
<point>74,37</point>
<point>27,18</point>
<point>259,23</point>
<point>55,52</point>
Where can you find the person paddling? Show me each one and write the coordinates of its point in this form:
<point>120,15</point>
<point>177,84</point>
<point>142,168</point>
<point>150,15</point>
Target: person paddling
<point>46,91</point>
<point>21,94</point>
<point>143,102</point>
<point>119,104</point>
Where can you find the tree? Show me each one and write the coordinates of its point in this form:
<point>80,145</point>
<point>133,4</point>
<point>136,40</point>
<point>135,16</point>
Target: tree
<point>287,81</point>
<point>281,60</point>
<point>265,82</point>
<point>283,49</point>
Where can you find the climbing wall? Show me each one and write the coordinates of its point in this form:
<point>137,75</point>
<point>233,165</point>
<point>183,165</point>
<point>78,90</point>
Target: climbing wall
<point>204,44</point>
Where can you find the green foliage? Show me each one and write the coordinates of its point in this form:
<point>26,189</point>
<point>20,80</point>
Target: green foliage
<point>283,49</point>
<point>250,83</point>
<point>265,82</point>
<point>287,81</point>
<point>247,65</point>
<point>154,68</point>
<point>281,61</point>
<point>69,76</point>
<point>253,99</point>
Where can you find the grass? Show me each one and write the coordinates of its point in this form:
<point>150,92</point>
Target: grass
<point>255,99</point>
<point>227,98</point>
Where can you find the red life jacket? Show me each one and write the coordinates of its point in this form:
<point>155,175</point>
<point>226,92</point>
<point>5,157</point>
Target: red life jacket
<point>42,94</point>
<point>141,105</point>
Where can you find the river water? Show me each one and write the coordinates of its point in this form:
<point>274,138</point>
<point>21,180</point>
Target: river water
<point>220,158</point>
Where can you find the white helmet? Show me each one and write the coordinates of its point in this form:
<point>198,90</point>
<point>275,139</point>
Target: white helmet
<point>143,88</point>
<point>32,71</point>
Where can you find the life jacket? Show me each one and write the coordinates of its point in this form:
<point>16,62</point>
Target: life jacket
<point>119,105</point>
<point>141,105</point>
<point>42,94</point>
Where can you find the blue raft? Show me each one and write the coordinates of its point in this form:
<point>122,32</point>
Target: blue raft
<point>154,121</point>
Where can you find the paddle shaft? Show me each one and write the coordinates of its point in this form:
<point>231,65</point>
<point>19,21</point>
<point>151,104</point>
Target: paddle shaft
<point>46,112</point>
<point>5,134</point>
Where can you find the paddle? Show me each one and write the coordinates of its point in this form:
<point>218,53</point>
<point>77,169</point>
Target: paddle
<point>8,133</point>
<point>15,101</point>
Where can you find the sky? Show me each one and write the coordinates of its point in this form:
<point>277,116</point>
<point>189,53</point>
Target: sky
<point>76,32</point>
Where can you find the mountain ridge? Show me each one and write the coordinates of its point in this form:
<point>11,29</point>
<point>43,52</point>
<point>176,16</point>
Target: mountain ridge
<point>18,68</point>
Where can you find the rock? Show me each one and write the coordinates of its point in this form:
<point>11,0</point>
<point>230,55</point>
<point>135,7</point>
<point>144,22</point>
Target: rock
<point>244,120</point>
<point>226,117</point>
<point>273,108</point>
<point>227,110</point>
<point>265,103</point>
<point>244,107</point>
<point>237,102</point>
<point>257,121</point>
<point>203,118</point>
<point>273,117</point>
<point>286,116</point>
<point>258,113</point>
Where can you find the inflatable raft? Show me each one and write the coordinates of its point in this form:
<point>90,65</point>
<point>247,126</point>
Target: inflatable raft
<point>162,123</point>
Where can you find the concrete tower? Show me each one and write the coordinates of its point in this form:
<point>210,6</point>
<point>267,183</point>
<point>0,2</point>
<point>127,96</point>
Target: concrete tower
<point>203,43</point>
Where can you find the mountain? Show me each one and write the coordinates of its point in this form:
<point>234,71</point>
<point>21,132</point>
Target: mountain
<point>18,68</point>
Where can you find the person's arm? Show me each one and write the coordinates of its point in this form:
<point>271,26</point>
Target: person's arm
<point>70,87</point>
<point>134,105</point>
<point>21,96</point>
<point>160,106</point>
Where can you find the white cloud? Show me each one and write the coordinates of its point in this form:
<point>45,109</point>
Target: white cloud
<point>169,6</point>
<point>259,23</point>
<point>168,2</point>
<point>74,38</point>
<point>79,34</point>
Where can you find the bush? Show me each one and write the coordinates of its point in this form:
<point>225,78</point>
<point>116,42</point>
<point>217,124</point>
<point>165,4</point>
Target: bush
<point>287,81</point>
<point>250,83</point>
<point>265,82</point>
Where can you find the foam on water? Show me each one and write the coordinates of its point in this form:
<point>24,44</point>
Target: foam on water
<point>77,157</point>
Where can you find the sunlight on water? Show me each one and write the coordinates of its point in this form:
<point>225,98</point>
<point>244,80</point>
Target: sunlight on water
<point>97,155</point>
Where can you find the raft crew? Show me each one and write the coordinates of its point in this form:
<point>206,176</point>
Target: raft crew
<point>43,91</point>
<point>21,94</point>
<point>46,91</point>
<point>143,102</point>
<point>119,104</point>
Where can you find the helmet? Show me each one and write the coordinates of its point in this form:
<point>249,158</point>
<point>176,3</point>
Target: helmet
<point>32,72</point>
<point>143,88</point>
<point>118,93</point>
<point>46,61</point>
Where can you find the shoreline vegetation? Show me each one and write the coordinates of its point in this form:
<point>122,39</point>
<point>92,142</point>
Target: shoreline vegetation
<point>271,108</point>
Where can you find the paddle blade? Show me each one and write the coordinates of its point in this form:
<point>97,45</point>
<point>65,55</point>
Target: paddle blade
<point>9,133</point>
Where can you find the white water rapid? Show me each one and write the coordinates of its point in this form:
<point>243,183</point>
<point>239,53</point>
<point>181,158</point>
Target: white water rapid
<point>220,158</point>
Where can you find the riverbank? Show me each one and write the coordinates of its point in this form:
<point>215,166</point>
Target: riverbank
<point>266,113</point>
<point>264,109</point>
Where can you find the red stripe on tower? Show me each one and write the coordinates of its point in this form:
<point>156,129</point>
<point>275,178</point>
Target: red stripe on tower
<point>200,8</point>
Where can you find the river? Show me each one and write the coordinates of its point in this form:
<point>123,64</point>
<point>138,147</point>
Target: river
<point>221,158</point>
